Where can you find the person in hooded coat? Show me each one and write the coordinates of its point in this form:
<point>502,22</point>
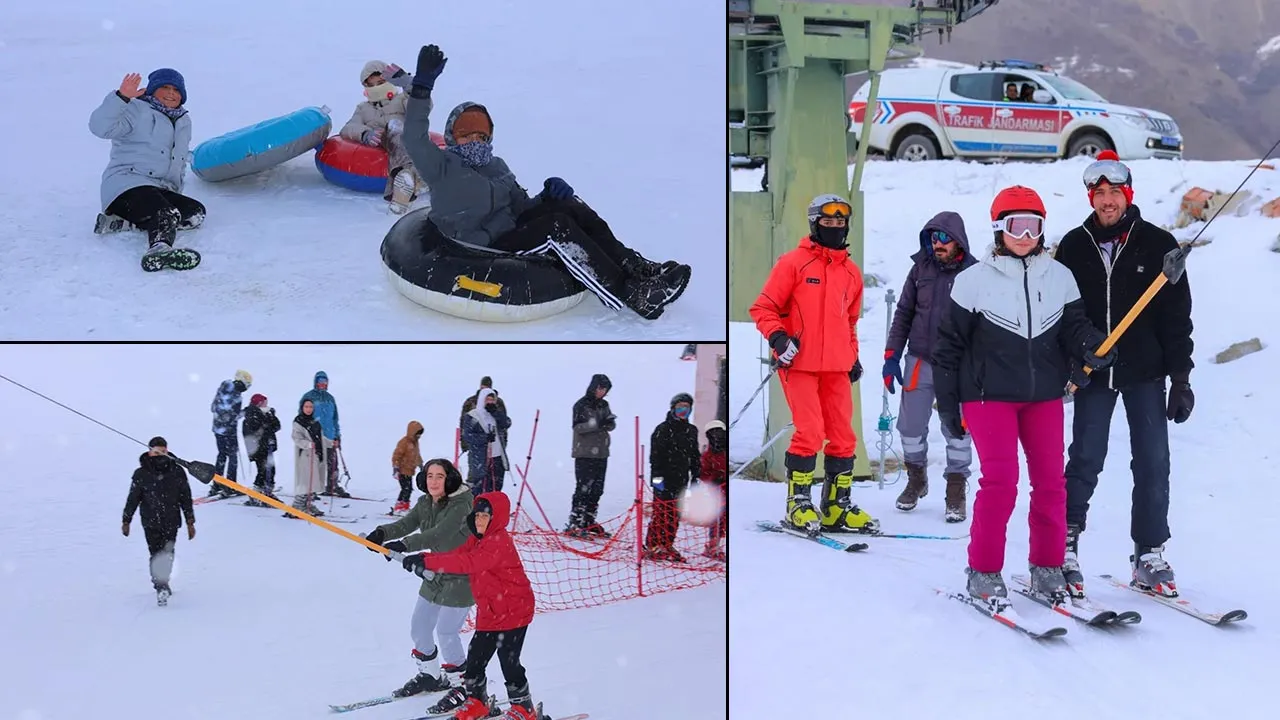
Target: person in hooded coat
<point>476,200</point>
<point>406,460</point>
<point>674,461</point>
<point>943,253</point>
<point>227,409</point>
<point>260,428</point>
<point>504,609</point>
<point>326,413</point>
<point>470,404</point>
<point>379,122</point>
<point>487,458</point>
<point>161,491</point>
<point>592,423</point>
<point>308,458</point>
<point>150,134</point>
<point>437,523</point>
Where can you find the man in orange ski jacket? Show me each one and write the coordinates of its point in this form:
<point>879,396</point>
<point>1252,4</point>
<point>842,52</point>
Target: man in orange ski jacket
<point>808,310</point>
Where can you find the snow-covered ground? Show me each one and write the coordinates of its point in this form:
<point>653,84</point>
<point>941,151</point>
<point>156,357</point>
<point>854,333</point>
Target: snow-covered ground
<point>274,618</point>
<point>607,96</point>
<point>874,622</point>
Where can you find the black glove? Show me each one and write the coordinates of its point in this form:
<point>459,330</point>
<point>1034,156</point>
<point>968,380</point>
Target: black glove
<point>375,536</point>
<point>431,62</point>
<point>610,423</point>
<point>491,436</point>
<point>415,564</point>
<point>1096,363</point>
<point>1181,400</point>
<point>784,347</point>
<point>395,546</point>
<point>856,372</point>
<point>952,422</point>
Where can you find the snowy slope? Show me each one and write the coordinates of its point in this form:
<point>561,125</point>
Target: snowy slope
<point>903,652</point>
<point>273,618</point>
<point>606,96</point>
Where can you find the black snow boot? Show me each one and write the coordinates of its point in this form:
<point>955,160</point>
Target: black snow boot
<point>649,297</point>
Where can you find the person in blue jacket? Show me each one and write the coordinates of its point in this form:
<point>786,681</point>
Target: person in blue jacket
<point>150,134</point>
<point>326,413</point>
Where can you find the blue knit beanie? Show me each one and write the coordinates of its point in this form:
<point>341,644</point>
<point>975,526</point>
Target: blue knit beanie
<point>167,76</point>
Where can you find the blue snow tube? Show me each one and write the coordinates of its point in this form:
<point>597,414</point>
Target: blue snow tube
<point>262,146</point>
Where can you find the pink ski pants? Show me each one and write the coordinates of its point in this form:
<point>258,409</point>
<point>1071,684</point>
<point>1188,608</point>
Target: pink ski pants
<point>996,428</point>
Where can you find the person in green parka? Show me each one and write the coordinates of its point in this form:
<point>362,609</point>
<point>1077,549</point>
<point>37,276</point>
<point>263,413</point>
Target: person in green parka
<point>438,523</point>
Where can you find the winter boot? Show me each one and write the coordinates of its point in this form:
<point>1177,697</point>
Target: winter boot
<point>428,679</point>
<point>162,595</point>
<point>1151,572</point>
<point>839,514</point>
<point>637,265</point>
<point>521,703</point>
<point>648,297</point>
<point>1048,582</point>
<point>801,514</point>
<point>956,505</point>
<point>1071,564</point>
<point>917,487</point>
<point>404,189</point>
<point>985,586</point>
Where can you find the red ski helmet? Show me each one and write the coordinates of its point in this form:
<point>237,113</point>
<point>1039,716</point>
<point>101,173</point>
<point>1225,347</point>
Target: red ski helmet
<point>1016,199</point>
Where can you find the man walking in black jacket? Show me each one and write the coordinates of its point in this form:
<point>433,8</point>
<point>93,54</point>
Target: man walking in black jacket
<point>161,490</point>
<point>592,423</point>
<point>1115,256</point>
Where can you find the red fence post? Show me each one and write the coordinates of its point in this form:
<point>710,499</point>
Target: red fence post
<point>528,460</point>
<point>639,505</point>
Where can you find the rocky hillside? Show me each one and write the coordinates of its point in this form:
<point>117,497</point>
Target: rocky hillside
<point>1214,66</point>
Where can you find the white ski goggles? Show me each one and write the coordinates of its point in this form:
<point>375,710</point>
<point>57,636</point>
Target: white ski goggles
<point>1113,171</point>
<point>1020,225</point>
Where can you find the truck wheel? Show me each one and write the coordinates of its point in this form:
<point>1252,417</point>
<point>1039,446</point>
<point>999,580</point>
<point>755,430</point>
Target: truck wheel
<point>1089,145</point>
<point>915,148</point>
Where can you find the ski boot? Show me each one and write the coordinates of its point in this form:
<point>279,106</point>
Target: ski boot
<point>801,514</point>
<point>472,705</point>
<point>1049,583</point>
<point>336,491</point>
<point>917,487</point>
<point>595,530</point>
<point>428,679</point>
<point>1071,563</point>
<point>521,704</point>
<point>1151,572</point>
<point>839,514</point>
<point>987,587</point>
<point>715,552</point>
<point>453,672</point>
<point>956,505</point>
<point>401,507</point>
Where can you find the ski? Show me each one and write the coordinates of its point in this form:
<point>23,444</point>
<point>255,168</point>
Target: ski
<point>1083,609</point>
<point>1002,611</point>
<point>501,703</point>
<point>766,526</point>
<point>1182,604</point>
<point>212,499</point>
<point>913,536</point>
<point>171,258</point>
<point>369,703</point>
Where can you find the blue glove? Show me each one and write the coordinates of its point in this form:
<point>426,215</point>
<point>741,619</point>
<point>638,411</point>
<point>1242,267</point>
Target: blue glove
<point>431,63</point>
<point>892,370</point>
<point>557,189</point>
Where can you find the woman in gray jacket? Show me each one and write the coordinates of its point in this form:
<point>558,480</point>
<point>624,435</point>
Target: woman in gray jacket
<point>438,522</point>
<point>150,134</point>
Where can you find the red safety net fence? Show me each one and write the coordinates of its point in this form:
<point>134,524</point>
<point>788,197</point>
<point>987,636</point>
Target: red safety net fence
<point>569,572</point>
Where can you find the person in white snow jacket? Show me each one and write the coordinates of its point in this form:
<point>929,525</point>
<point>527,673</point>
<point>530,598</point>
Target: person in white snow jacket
<point>487,459</point>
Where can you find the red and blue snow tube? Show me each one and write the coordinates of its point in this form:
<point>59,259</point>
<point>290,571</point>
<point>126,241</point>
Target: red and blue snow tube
<point>356,166</point>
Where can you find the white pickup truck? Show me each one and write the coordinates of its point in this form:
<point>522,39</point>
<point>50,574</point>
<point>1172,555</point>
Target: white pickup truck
<point>1004,109</point>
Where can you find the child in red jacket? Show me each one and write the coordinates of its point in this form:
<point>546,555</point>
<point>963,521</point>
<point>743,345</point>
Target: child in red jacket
<point>504,602</point>
<point>715,470</point>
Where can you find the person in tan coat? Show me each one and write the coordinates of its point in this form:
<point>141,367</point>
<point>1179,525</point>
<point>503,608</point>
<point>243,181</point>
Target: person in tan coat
<point>405,462</point>
<point>379,122</point>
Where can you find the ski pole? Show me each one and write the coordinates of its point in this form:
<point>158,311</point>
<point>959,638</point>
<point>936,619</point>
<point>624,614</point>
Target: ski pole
<point>1174,266</point>
<point>762,450</point>
<point>342,458</point>
<point>205,473</point>
<point>773,368</point>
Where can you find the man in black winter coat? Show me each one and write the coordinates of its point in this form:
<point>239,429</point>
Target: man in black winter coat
<point>1115,255</point>
<point>674,461</point>
<point>592,423</point>
<point>161,490</point>
<point>259,429</point>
